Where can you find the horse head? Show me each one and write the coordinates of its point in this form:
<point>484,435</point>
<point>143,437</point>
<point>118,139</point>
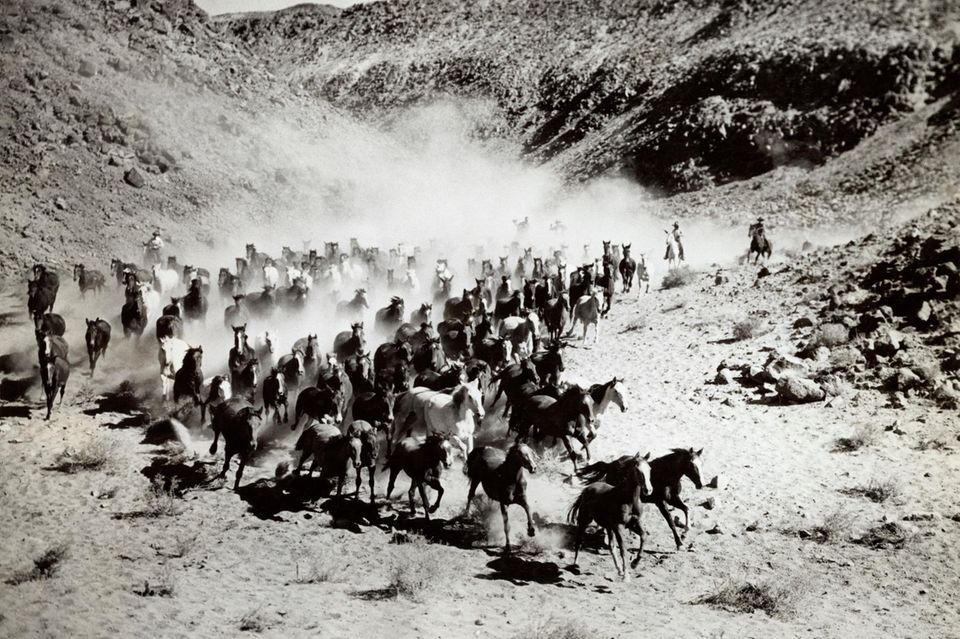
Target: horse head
<point>692,471</point>
<point>523,454</point>
<point>616,392</point>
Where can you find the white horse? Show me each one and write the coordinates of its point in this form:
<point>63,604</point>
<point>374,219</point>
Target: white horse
<point>271,276</point>
<point>265,344</point>
<point>587,312</point>
<point>151,300</point>
<point>673,252</point>
<point>614,392</point>
<point>165,280</point>
<point>523,333</point>
<point>411,282</point>
<point>171,354</point>
<point>455,415</point>
<point>214,391</point>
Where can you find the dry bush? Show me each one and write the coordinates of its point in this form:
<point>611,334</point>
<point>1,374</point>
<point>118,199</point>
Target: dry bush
<point>845,358</point>
<point>864,435</point>
<point>932,443</point>
<point>96,453</point>
<point>877,490</point>
<point>747,328</point>
<point>415,569</point>
<point>551,628</point>
<point>163,585</point>
<point>829,335</point>
<point>253,622</point>
<point>160,499</point>
<point>314,569</point>
<point>887,535</point>
<point>183,545</point>
<point>679,276</point>
<point>776,598</point>
<point>833,528</point>
<point>636,324</point>
<point>835,386</point>
<point>45,566</point>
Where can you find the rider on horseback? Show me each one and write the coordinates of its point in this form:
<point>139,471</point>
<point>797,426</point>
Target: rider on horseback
<point>152,248</point>
<point>756,227</point>
<point>677,235</point>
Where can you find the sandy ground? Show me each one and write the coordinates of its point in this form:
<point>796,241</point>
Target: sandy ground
<point>776,465</point>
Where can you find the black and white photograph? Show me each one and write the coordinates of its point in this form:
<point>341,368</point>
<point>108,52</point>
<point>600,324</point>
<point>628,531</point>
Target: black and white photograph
<point>497,319</point>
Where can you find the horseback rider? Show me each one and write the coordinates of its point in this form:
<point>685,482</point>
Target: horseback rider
<point>677,235</point>
<point>152,248</point>
<point>757,228</point>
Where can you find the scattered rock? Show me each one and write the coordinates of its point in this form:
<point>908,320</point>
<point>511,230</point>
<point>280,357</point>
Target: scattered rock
<point>725,377</point>
<point>716,530</point>
<point>60,203</point>
<point>708,504</point>
<point>763,272</point>
<point>902,380</point>
<point>87,69</point>
<point>921,517</point>
<point>803,322</point>
<point>134,178</point>
<point>799,390</point>
<point>714,483</point>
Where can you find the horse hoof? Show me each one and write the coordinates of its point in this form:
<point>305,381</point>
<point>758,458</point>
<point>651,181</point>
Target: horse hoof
<point>625,576</point>
<point>531,532</point>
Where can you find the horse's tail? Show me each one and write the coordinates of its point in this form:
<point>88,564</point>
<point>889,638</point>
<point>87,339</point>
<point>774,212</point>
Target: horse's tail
<point>593,472</point>
<point>574,513</point>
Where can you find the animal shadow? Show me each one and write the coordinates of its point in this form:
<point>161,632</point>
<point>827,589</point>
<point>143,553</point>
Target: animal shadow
<point>521,571</point>
<point>12,389</point>
<point>267,498</point>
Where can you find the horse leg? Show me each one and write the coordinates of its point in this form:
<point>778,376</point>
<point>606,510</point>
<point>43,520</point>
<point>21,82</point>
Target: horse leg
<point>526,508</point>
<point>391,481</point>
<point>413,509</point>
<point>662,506</point>
<point>596,332</point>
<point>506,525</point>
<point>435,484</point>
<point>613,554</point>
<point>573,456</point>
<point>470,494</point>
<point>243,463</point>
<point>358,482</point>
<point>63,388</point>
<point>372,471</point>
<point>226,464</point>
<point>677,503</point>
<point>618,533</point>
<point>637,528</point>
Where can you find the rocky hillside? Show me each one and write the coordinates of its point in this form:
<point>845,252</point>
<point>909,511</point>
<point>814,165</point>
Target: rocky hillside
<point>678,94</point>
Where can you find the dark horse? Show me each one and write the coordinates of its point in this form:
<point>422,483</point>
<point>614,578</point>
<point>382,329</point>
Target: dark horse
<point>759,243</point>
<point>424,463</point>
<point>97,338</point>
<point>502,478</point>
<point>627,268</point>
<point>665,475</point>
<point>569,416</point>
<point>238,422</point>
<point>613,506</point>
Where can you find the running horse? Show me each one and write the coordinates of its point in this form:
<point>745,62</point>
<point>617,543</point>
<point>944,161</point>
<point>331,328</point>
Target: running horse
<point>759,243</point>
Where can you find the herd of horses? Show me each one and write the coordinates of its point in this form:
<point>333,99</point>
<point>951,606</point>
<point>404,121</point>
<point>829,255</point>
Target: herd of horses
<point>423,392</point>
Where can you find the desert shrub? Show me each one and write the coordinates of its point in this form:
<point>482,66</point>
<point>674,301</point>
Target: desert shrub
<point>845,358</point>
<point>864,435</point>
<point>835,386</point>
<point>253,621</point>
<point>160,498</point>
<point>551,628</point>
<point>162,586</point>
<point>747,328</point>
<point>774,597</point>
<point>876,490</point>
<point>415,569</point>
<point>45,565</point>
<point>314,569</point>
<point>833,528</point>
<point>887,535</point>
<point>96,453</point>
<point>830,335</point>
<point>677,277</point>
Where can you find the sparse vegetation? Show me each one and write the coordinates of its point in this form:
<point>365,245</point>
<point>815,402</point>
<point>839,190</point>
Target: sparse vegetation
<point>833,528</point>
<point>877,491</point>
<point>314,569</point>
<point>864,435</point>
<point>96,453</point>
<point>932,443</point>
<point>160,498</point>
<point>829,335</point>
<point>415,569</point>
<point>556,629</point>
<point>747,328</point>
<point>253,622</point>
<point>679,276</point>
<point>184,544</point>
<point>887,535</point>
<point>776,598</point>
<point>162,586</point>
<point>835,386</point>
<point>45,566</point>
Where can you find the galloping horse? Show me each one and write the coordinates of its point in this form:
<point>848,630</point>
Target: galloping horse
<point>503,479</point>
<point>759,243</point>
<point>672,252</point>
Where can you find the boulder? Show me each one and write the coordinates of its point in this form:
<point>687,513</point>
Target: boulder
<point>87,69</point>
<point>725,377</point>
<point>887,342</point>
<point>903,379</point>
<point>799,390</point>
<point>803,322</point>
<point>134,178</point>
